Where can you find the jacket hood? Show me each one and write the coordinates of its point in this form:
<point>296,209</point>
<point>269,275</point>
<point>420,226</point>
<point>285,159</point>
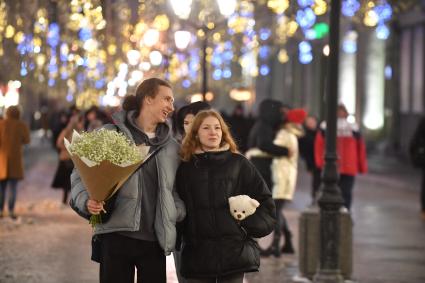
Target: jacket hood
<point>270,112</point>
<point>125,119</point>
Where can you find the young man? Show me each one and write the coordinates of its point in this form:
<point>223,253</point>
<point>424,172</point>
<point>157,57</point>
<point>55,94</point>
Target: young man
<point>141,228</point>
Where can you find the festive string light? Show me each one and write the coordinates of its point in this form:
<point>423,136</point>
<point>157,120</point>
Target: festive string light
<point>350,7</point>
<point>305,18</point>
<point>278,6</point>
<point>75,51</point>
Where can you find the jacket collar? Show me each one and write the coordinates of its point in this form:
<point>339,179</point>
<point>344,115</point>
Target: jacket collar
<point>207,158</point>
<point>224,147</point>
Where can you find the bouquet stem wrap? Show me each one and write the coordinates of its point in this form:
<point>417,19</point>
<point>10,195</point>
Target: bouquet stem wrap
<point>103,179</point>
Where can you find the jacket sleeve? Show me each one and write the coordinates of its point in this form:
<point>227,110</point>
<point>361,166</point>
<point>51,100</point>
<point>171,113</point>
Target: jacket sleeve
<point>180,221</point>
<point>79,196</point>
<point>263,221</point>
<point>265,143</point>
<point>362,155</point>
<point>319,149</point>
<point>180,207</point>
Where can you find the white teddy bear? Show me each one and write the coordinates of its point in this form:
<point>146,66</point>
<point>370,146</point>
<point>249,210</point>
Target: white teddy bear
<point>242,206</point>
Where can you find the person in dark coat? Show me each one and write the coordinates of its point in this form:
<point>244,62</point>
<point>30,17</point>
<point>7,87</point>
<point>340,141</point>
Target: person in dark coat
<point>307,153</point>
<point>215,246</point>
<point>262,135</point>
<point>261,152</point>
<point>240,127</point>
<point>417,154</point>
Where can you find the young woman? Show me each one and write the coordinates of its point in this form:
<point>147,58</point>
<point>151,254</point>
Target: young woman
<point>216,247</point>
<point>63,173</point>
<point>182,122</point>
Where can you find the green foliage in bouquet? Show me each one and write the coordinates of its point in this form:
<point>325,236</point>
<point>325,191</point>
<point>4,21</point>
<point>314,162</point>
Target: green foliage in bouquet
<point>106,145</point>
<point>95,219</point>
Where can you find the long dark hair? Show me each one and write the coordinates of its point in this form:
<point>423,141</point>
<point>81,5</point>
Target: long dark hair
<point>148,87</point>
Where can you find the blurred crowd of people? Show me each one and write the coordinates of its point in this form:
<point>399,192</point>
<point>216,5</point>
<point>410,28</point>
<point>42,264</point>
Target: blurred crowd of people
<point>272,142</point>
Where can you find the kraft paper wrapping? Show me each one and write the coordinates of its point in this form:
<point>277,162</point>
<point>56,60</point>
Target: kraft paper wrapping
<point>104,179</point>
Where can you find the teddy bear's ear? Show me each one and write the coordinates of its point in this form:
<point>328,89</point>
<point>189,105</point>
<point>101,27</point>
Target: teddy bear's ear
<point>254,202</point>
<point>231,199</point>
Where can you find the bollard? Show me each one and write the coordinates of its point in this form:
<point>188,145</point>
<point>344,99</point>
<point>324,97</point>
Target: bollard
<point>309,243</point>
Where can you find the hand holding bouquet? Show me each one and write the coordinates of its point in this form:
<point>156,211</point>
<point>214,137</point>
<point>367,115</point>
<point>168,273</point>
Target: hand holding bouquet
<point>105,159</point>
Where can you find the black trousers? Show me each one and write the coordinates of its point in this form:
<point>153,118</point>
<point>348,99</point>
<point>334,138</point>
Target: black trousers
<point>346,184</point>
<point>121,254</point>
<point>315,183</point>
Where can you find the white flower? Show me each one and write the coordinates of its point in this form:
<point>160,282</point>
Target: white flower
<point>103,144</point>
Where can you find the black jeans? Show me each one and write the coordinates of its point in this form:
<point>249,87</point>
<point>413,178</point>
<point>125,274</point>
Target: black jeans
<point>121,254</point>
<point>13,184</point>
<point>281,223</point>
<point>315,183</point>
<point>346,183</point>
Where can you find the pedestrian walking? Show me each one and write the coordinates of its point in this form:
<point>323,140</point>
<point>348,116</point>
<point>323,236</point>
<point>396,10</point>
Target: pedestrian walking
<point>240,127</point>
<point>14,133</point>
<point>262,150</point>
<point>351,151</point>
<point>141,229</point>
<point>306,145</point>
<point>61,179</point>
<point>284,177</point>
<point>216,247</point>
<point>183,121</point>
<point>417,155</point>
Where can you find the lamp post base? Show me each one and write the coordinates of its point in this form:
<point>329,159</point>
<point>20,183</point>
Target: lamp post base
<point>328,276</point>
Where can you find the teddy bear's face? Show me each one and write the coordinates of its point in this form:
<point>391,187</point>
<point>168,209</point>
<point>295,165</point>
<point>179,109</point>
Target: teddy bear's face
<point>242,206</point>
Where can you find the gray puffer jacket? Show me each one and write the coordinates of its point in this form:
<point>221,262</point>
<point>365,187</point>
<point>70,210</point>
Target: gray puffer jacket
<point>126,212</point>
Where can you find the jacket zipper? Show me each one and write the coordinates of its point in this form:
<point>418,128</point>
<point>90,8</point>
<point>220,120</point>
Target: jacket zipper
<point>214,218</point>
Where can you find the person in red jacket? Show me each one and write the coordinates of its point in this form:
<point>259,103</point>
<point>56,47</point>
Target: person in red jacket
<point>351,151</point>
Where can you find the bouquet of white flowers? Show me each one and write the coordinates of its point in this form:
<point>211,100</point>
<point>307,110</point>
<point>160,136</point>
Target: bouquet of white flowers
<point>105,159</point>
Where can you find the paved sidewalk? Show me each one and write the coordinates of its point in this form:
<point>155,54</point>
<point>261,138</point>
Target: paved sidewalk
<point>50,243</point>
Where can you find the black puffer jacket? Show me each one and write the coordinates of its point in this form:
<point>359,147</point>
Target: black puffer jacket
<point>263,132</point>
<point>262,135</point>
<point>214,244</point>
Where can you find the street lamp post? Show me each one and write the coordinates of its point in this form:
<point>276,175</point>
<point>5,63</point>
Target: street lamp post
<point>226,7</point>
<point>204,64</point>
<point>330,200</point>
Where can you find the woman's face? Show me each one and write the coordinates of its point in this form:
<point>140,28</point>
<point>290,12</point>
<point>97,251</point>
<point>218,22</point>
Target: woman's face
<point>187,122</point>
<point>210,133</point>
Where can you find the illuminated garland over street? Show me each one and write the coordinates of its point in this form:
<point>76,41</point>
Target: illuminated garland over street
<point>94,52</point>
